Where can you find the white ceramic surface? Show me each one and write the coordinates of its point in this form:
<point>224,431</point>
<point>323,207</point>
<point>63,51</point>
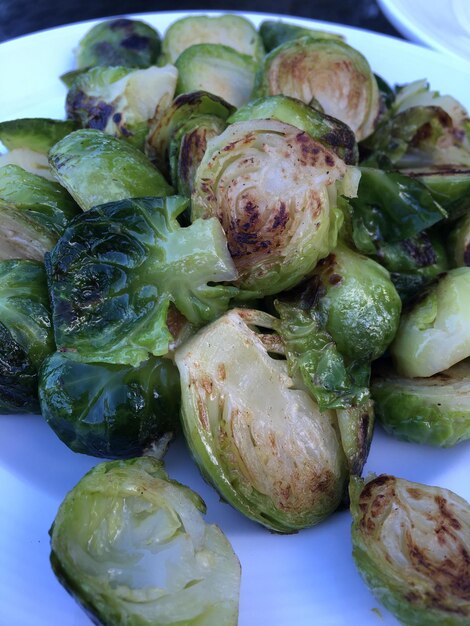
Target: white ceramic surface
<point>297,580</point>
<point>440,24</point>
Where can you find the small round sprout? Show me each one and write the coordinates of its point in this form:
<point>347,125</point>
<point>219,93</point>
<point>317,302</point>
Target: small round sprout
<point>433,410</point>
<point>274,189</point>
<point>132,547</point>
<point>333,73</point>
<point>411,544</point>
<point>435,333</point>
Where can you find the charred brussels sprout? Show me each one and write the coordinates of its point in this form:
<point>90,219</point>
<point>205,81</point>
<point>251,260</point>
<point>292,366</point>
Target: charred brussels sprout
<point>111,411</point>
<point>230,30</point>
<point>186,108</point>
<point>33,213</point>
<point>411,544</point>
<point>274,456</point>
<point>217,69</point>
<point>274,190</point>
<point>29,141</point>
<point>433,410</point>
<point>331,72</point>
<point>275,33</point>
<point>26,336</point>
<point>359,303</point>
<point>118,266</point>
<point>120,101</point>
<point>329,131</point>
<point>97,168</point>
<point>434,334</point>
<point>119,42</point>
<point>132,548</point>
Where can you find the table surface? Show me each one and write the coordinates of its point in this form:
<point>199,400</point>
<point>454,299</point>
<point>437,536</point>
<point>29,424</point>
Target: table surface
<point>20,17</point>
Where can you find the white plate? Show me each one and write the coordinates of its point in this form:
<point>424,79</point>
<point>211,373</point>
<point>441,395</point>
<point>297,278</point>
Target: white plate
<point>440,24</point>
<point>304,579</point>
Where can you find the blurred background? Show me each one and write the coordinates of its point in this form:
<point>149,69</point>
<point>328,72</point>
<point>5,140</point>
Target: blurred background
<point>20,17</point>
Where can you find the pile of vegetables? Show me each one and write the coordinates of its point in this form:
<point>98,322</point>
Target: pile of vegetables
<point>226,211</point>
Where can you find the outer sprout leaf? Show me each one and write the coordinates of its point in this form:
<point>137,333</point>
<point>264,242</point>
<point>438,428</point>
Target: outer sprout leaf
<point>275,33</point>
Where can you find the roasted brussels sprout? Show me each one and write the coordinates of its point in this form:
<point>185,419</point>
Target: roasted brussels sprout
<point>275,32</point>
<point>331,72</point>
<point>118,266</point>
<point>121,41</point>
<point>459,242</point>
<point>356,427</point>
<point>132,548</point>
<point>110,411</point>
<point>26,336</point>
<point>411,544</point>
<point>329,131</point>
<point>433,410</point>
<point>274,456</point>
<point>218,69</point>
<point>29,140</point>
<point>230,30</point>
<point>186,108</point>
<point>97,168</point>
<point>119,100</point>
<point>33,213</point>
<point>274,190</point>
<point>435,334</point>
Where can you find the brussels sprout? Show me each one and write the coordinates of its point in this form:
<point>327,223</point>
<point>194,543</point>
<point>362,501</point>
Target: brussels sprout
<point>435,334</point>
<point>121,41</point>
<point>390,207</point>
<point>33,213</point>
<point>330,71</point>
<point>274,190</point>
<point>411,544</point>
<point>25,333</point>
<point>97,168</point>
<point>118,266</point>
<point>111,411</point>
<point>359,303</point>
<point>413,263</point>
<point>230,30</point>
<point>327,130</point>
<point>29,140</point>
<point>274,456</point>
<point>119,100</point>
<point>275,32</point>
<point>356,427</point>
<point>433,410</point>
<point>459,242</point>
<point>218,69</point>
<point>132,548</point>
<point>186,108</point>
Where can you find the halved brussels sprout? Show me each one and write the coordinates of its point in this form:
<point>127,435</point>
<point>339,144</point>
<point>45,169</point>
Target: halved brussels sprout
<point>132,548</point>
<point>26,336</point>
<point>110,411</point>
<point>459,242</point>
<point>411,544</point>
<point>121,41</point>
<point>119,100</point>
<point>329,131</point>
<point>218,69</point>
<point>34,212</point>
<point>29,140</point>
<point>167,122</point>
<point>275,32</point>
<point>433,410</point>
<point>435,333</point>
<point>273,189</point>
<point>330,71</point>
<point>230,30</point>
<point>96,168</point>
<point>273,455</point>
<point>356,427</point>
<point>118,266</point>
